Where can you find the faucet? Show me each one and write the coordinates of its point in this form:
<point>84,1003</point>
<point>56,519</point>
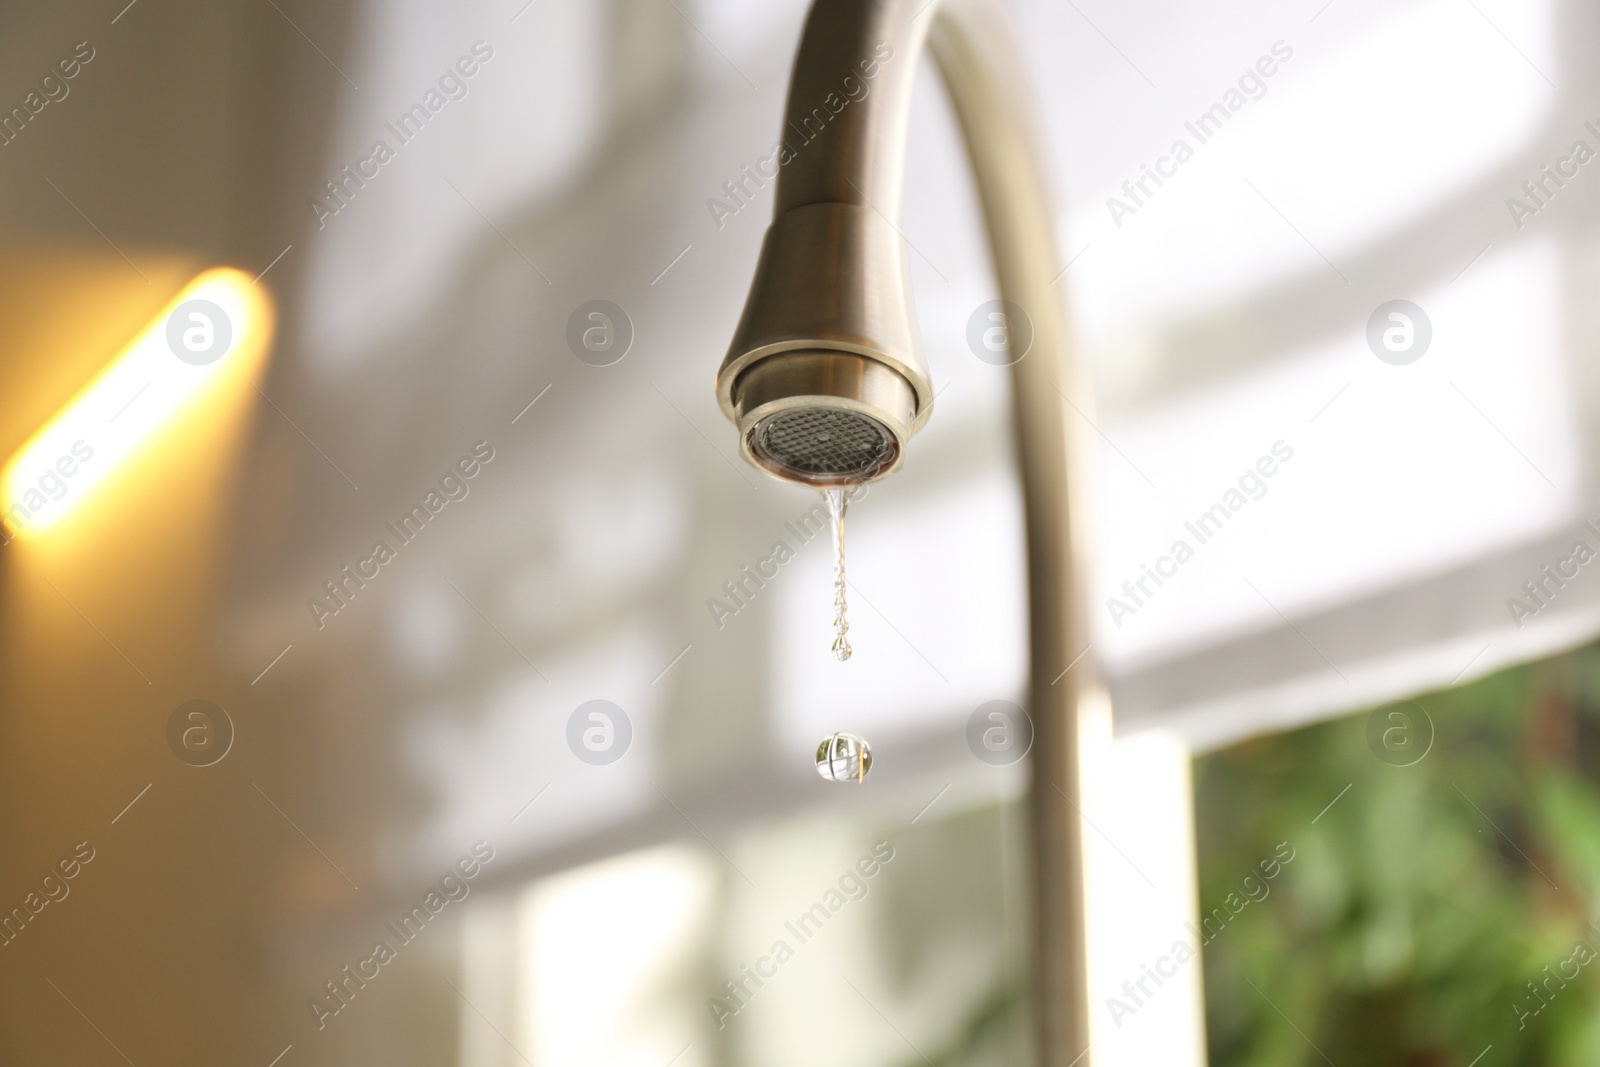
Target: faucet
<point>826,381</point>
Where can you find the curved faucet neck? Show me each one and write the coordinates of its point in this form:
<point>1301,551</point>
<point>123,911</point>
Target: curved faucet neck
<point>849,104</point>
<point>832,276</point>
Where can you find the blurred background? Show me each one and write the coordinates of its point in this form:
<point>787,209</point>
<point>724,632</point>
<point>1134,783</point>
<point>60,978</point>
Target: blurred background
<point>241,748</point>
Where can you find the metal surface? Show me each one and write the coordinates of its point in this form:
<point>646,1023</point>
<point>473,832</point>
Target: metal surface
<point>832,278</point>
<point>824,418</point>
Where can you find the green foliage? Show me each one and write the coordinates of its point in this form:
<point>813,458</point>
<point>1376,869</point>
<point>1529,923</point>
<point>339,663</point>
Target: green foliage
<point>1422,904</point>
<point>992,1032</point>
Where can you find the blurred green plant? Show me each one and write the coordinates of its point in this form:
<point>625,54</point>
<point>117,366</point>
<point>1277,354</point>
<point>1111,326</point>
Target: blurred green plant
<point>1434,913</point>
<point>992,1032</point>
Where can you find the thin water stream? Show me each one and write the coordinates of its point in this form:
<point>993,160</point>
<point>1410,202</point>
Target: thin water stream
<point>841,757</point>
<point>838,499</point>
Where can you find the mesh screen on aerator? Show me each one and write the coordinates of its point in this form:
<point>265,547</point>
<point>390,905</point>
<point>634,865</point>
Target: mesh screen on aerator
<point>824,443</point>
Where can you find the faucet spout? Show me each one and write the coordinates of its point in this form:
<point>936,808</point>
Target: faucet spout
<point>826,381</point>
<point>831,294</point>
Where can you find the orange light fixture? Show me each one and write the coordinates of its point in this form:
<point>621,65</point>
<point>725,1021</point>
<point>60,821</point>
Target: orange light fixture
<point>212,331</point>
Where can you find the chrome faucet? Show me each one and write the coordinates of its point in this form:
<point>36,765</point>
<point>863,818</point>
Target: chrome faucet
<point>826,381</point>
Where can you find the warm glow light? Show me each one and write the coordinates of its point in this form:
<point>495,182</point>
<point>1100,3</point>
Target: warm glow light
<point>603,957</point>
<point>1145,966</point>
<point>217,325</point>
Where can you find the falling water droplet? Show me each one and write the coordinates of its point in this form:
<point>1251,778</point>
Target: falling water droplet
<point>838,499</point>
<point>844,758</point>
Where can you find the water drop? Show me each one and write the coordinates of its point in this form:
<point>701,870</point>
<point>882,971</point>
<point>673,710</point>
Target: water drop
<point>838,499</point>
<point>844,758</point>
